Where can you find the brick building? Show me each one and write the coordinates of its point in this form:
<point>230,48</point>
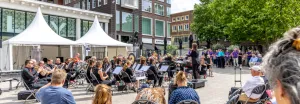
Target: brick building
<point>181,27</point>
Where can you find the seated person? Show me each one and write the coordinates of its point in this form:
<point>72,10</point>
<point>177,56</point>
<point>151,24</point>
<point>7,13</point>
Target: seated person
<point>118,64</point>
<point>29,75</point>
<point>54,93</point>
<point>100,74</point>
<point>50,64</point>
<point>103,94</point>
<point>91,65</point>
<point>58,63</point>
<point>128,70</point>
<point>153,73</point>
<point>155,95</point>
<point>253,60</point>
<point>183,92</point>
<point>251,83</point>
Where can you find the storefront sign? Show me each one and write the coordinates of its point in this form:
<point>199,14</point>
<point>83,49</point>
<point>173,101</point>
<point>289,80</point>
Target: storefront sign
<point>157,41</point>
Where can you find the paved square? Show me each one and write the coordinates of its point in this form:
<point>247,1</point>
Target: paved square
<point>215,91</point>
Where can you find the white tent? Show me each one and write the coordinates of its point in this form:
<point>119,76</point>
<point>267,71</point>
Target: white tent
<point>98,38</point>
<point>36,34</point>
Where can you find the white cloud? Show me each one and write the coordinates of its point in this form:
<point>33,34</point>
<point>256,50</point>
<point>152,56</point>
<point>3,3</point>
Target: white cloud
<point>182,5</point>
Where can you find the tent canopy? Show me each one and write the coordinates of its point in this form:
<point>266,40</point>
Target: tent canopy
<point>39,33</point>
<point>96,36</point>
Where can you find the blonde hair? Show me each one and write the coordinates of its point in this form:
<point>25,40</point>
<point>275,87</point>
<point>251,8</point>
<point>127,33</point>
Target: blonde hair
<point>126,65</point>
<point>180,77</point>
<point>103,94</point>
<point>58,76</point>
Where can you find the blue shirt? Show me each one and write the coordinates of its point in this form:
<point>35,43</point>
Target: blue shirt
<point>220,54</point>
<point>253,59</point>
<point>55,95</point>
<point>183,93</point>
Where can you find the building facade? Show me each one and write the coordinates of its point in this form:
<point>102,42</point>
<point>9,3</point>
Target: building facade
<point>156,23</point>
<point>68,22</point>
<point>181,27</point>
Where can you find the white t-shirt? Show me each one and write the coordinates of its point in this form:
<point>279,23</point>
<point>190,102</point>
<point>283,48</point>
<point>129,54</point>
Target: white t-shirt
<point>251,84</point>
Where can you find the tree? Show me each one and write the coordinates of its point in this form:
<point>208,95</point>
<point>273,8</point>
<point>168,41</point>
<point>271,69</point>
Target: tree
<point>205,24</point>
<point>171,49</point>
<point>245,20</point>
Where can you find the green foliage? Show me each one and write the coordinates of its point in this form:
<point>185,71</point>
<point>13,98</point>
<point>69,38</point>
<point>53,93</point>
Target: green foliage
<point>218,46</point>
<point>231,47</point>
<point>171,49</point>
<point>245,20</point>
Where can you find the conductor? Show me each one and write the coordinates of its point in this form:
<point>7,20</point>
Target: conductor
<point>195,60</point>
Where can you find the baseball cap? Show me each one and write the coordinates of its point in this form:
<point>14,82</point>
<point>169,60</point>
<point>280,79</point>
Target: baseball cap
<point>255,68</point>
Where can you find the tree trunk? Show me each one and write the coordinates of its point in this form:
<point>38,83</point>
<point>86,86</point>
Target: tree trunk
<point>208,44</point>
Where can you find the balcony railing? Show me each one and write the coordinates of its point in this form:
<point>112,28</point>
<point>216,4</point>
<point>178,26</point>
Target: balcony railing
<point>131,4</point>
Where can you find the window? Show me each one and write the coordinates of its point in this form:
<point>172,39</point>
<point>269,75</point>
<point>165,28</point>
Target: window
<point>30,17</point>
<point>187,17</point>
<point>159,9</point>
<point>180,28</point>
<point>19,21</point>
<point>104,2</point>
<point>178,18</point>
<point>186,39</point>
<point>118,2</point>
<point>169,1</point>
<point>88,4</point>
<point>147,6</point>
<point>182,18</point>
<point>136,23</point>
<point>71,28</point>
<point>168,30</point>
<point>84,27</point>
<point>161,0</point>
<point>127,22</point>
<point>159,28</point>
<point>146,26</point>
<point>173,19</point>
<point>174,29</point>
<point>168,11</point>
<point>186,27</point>
<point>118,21</point>
<point>8,21</point>
<point>62,28</point>
<point>99,3</point>
<point>67,2</point>
<point>54,23</point>
<point>93,3</point>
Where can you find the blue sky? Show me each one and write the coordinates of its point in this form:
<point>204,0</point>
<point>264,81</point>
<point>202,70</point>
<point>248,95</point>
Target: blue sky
<point>182,5</point>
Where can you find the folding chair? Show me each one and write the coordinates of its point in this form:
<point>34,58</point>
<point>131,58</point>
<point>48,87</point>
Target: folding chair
<point>31,91</point>
<point>238,91</point>
<point>260,89</point>
<point>188,102</point>
<point>126,77</point>
<point>89,82</point>
<point>143,102</point>
<point>234,99</point>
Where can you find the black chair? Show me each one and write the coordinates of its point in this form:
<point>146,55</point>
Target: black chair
<point>143,102</point>
<point>259,90</point>
<point>234,99</point>
<point>187,102</point>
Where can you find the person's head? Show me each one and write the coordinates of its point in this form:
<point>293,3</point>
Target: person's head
<point>41,63</point>
<point>57,61</point>
<point>255,70</point>
<point>253,55</point>
<point>119,61</point>
<point>105,59</point>
<point>143,60</point>
<point>99,64</point>
<point>33,61</point>
<point>259,56</point>
<point>77,55</point>
<point>92,63</point>
<point>94,57</point>
<point>115,58</point>
<point>282,68</point>
<point>49,61</point>
<point>126,65</point>
<point>181,79</point>
<point>194,46</point>
<point>152,61</point>
<point>58,77</point>
<point>102,94</point>
<point>28,64</point>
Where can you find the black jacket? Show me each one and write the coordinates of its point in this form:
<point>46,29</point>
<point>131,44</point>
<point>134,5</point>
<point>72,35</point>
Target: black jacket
<point>29,75</point>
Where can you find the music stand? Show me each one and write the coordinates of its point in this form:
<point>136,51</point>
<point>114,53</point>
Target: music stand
<point>157,65</point>
<point>137,67</point>
<point>145,68</point>
<point>134,65</point>
<point>117,70</point>
<point>164,68</point>
<point>107,69</point>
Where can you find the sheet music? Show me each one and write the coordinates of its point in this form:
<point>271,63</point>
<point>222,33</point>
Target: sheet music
<point>117,70</point>
<point>134,65</point>
<point>108,68</point>
<point>164,68</point>
<point>137,67</point>
<point>145,68</point>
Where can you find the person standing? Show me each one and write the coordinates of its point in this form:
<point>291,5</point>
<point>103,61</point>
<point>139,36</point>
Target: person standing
<point>249,53</point>
<point>221,58</point>
<point>234,55</point>
<point>195,60</point>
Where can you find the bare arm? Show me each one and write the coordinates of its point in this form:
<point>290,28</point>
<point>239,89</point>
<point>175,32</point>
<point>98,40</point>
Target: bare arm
<point>101,75</point>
